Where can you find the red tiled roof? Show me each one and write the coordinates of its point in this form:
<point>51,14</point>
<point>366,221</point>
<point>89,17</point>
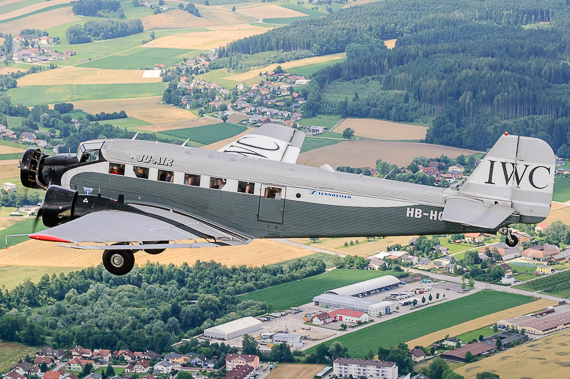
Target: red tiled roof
<point>346,312</point>
<point>245,357</point>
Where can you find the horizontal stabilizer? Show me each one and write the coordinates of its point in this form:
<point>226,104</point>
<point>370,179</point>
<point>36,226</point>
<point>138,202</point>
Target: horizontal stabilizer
<point>474,213</point>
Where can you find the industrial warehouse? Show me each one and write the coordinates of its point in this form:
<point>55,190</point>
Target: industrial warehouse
<point>234,328</point>
<point>352,297</point>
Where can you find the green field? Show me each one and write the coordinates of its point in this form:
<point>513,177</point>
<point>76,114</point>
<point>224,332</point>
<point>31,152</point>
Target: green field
<point>4,157</point>
<point>429,320</point>
<point>456,247</point>
<point>561,189</point>
<point>37,95</point>
<point>11,353</point>
<point>328,121</point>
<point>118,370</point>
<point>13,144</point>
<point>128,122</point>
<point>34,12</point>
<point>556,285</point>
<point>486,331</point>
<point>132,12</point>
<point>22,227</point>
<point>207,134</point>
<point>11,276</point>
<point>4,9</point>
<point>217,76</point>
<point>302,291</point>
<point>310,69</point>
<point>315,143</point>
<point>140,58</point>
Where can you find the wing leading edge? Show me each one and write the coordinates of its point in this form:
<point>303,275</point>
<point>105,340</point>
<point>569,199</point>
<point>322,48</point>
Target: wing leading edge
<point>147,227</point>
<point>271,141</point>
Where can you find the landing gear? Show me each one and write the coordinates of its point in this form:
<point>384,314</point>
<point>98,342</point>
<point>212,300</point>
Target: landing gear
<point>154,251</point>
<point>118,262</point>
<point>510,240</point>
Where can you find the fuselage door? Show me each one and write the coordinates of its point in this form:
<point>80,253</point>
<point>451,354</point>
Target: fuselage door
<point>271,204</point>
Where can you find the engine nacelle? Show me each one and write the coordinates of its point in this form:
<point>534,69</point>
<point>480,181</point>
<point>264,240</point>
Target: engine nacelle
<point>39,170</point>
<point>62,205</point>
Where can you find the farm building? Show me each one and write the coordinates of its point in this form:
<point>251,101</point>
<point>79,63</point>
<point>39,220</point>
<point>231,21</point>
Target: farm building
<point>476,348</point>
<point>538,325</point>
<point>234,328</point>
<point>289,339</point>
<point>366,287</point>
<point>506,338</point>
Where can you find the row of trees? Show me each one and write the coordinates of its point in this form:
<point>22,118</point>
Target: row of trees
<point>150,308</point>
<point>98,8</point>
<point>107,116</point>
<point>247,61</point>
<point>104,29</point>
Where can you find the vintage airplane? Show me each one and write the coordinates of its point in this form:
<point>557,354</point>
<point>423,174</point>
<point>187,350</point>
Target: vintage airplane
<point>133,195</point>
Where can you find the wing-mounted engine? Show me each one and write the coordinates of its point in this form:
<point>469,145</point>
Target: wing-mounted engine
<point>39,170</point>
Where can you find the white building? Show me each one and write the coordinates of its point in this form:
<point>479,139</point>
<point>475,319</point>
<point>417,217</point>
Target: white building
<point>162,367</point>
<point>344,367</point>
<point>234,328</point>
<point>509,279</point>
<point>289,339</point>
<point>382,308</point>
<point>346,315</point>
<point>367,287</point>
<point>9,187</point>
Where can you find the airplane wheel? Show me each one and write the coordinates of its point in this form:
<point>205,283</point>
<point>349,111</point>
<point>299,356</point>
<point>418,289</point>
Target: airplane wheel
<point>118,262</point>
<point>512,241</point>
<point>155,251</point>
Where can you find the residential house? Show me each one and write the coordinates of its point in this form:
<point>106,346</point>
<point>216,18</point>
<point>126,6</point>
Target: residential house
<point>48,351</point>
<point>451,341</point>
<point>523,237</point>
<point>508,280</point>
<point>542,270</point>
<point>418,355</point>
<point>241,372</point>
<point>296,116</point>
<point>563,256</point>
<point>28,137</point>
<point>483,257</point>
<point>508,269</point>
<point>413,241</point>
<point>182,359</point>
<point>52,375</point>
<point>440,249</point>
<point>541,253</point>
<point>323,318</point>
<point>315,130</point>
<point>456,168</point>
<point>14,375</point>
<point>141,367</point>
<point>159,66</point>
<point>149,376</point>
<point>409,259</point>
<point>46,40</point>
<point>171,356</point>
<point>77,364</point>
<point>39,360</point>
<point>541,228</point>
<point>102,355</point>
<point>356,368</point>
<point>236,360</point>
<point>289,123</point>
<point>375,263</point>
<point>426,264</point>
<point>452,268</point>
<point>474,237</point>
<point>505,251</point>
<point>162,367</point>
<point>93,376</point>
<point>127,355</point>
<point>199,360</point>
<point>22,368</point>
<point>149,355</point>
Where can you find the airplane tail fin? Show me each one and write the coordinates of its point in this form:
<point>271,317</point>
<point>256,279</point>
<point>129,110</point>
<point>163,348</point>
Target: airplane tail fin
<point>515,177</point>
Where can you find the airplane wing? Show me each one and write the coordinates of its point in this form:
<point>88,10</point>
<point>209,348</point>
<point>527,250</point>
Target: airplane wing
<point>150,225</point>
<point>270,141</point>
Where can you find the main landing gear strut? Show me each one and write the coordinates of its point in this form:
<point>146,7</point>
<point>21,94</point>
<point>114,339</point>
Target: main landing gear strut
<point>510,239</point>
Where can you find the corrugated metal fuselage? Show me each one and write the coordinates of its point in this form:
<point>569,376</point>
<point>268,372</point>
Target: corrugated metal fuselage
<point>315,203</point>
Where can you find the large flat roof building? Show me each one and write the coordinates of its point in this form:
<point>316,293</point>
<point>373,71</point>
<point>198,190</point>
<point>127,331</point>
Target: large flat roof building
<point>366,287</point>
<point>234,328</point>
<point>538,325</point>
<point>356,368</point>
<point>476,348</point>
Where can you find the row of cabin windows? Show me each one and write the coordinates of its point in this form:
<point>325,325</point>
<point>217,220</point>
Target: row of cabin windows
<point>192,180</point>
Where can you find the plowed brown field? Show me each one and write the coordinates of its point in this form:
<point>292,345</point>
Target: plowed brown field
<point>365,153</point>
<point>10,150</point>
<point>289,371</point>
<point>257,253</point>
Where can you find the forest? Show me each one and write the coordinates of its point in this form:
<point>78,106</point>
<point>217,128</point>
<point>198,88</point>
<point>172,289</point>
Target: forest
<point>103,29</point>
<point>469,67</point>
<point>150,308</point>
<point>98,8</point>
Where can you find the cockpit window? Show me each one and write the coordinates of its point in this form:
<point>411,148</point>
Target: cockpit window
<point>89,152</point>
<point>116,169</point>
<point>141,172</point>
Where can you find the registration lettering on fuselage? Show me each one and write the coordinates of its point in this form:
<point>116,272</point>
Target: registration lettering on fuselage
<point>153,159</point>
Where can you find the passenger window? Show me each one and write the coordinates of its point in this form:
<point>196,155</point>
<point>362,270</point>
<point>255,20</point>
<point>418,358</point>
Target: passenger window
<point>116,169</point>
<point>141,172</point>
<point>192,180</point>
<point>246,187</point>
<point>217,183</point>
<point>272,193</point>
<point>165,176</point>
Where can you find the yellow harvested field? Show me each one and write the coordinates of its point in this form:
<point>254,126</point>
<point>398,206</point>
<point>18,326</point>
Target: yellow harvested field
<point>559,212</point>
<point>390,43</point>
<point>78,75</point>
<point>365,153</point>
<point>215,37</point>
<point>9,70</point>
<point>362,249</point>
<point>287,65</point>
<point>9,169</point>
<point>290,371</point>
<point>224,142</point>
<point>149,109</point>
<point>221,16</point>
<point>191,123</point>
<point>356,3</point>
<point>175,19</point>
<point>270,11</point>
<point>32,8</point>
<point>546,357</point>
<point>45,20</point>
<point>257,253</point>
<point>481,322</point>
<point>383,130</point>
<point>10,149</point>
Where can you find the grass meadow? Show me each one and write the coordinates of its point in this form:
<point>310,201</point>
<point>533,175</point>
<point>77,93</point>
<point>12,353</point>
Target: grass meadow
<point>19,5</point>
<point>22,227</point>
<point>310,69</point>
<point>302,291</point>
<point>11,353</point>
<point>12,276</point>
<point>561,189</point>
<point>207,134</point>
<point>417,324</point>
<point>57,6</point>
<point>485,331</point>
<point>4,157</point>
<point>140,57</point>
<point>316,143</point>
<point>37,95</point>
<point>328,121</point>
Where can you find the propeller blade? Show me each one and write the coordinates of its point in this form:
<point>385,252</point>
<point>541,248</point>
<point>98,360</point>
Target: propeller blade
<point>38,215</point>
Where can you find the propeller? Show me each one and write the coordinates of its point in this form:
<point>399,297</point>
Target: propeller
<point>38,215</point>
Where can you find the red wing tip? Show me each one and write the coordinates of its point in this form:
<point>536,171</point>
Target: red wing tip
<point>45,237</point>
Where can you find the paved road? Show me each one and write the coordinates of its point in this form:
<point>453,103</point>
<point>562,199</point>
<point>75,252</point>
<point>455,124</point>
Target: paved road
<point>495,287</point>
